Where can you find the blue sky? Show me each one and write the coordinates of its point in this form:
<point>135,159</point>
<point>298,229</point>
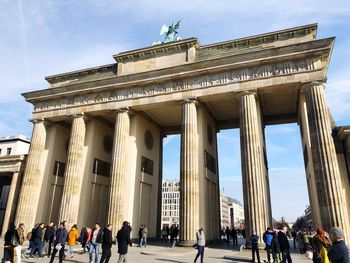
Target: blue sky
<point>40,38</point>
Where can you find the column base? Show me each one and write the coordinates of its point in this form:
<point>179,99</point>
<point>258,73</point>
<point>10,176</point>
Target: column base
<point>187,243</point>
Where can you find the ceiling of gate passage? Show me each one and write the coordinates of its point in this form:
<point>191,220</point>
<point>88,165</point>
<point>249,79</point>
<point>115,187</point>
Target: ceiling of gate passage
<point>279,105</point>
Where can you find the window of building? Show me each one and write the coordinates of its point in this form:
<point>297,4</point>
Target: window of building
<point>101,168</point>
<point>8,152</point>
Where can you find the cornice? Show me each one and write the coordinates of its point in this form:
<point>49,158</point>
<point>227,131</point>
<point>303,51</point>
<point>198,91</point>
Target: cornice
<point>270,55</point>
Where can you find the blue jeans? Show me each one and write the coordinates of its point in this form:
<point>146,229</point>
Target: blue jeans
<point>200,253</point>
<point>143,242</point>
<point>94,247</point>
<point>70,251</point>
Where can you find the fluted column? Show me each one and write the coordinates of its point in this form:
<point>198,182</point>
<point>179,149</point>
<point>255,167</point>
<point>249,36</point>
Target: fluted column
<point>117,210</point>
<point>10,205</point>
<point>74,173</point>
<point>327,175</point>
<point>33,177</point>
<point>256,198</point>
<point>189,181</point>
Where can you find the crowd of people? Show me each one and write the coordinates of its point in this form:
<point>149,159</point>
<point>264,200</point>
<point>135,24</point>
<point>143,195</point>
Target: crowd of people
<point>318,246</point>
<point>50,239</point>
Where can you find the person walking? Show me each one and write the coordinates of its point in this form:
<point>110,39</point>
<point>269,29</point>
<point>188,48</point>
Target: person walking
<point>11,241</point>
<point>144,236</point>
<point>284,245</point>
<point>200,244</point>
<point>49,238</point>
<point>106,244</point>
<point>228,234</point>
<point>338,252</point>
<point>123,239</point>
<point>234,236</point>
<point>267,237</point>
<point>275,247</point>
<point>59,242</point>
<point>294,235</point>
<point>83,238</point>
<point>37,240</point>
<point>320,243</point>
<point>18,249</point>
<point>254,239</point>
<point>72,239</point>
<point>95,242</point>
<point>140,235</point>
<point>163,233</point>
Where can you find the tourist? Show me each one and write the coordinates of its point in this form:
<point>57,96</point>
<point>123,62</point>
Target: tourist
<point>37,235</point>
<point>140,235</point>
<point>275,247</point>
<point>72,239</point>
<point>267,237</point>
<point>95,242</point>
<point>294,235</point>
<point>234,236</point>
<point>320,244</point>
<point>176,234</point>
<point>83,238</point>
<point>31,243</point>
<point>144,236</point>
<point>49,238</point>
<point>338,253</point>
<point>284,245</point>
<point>123,239</point>
<point>306,240</point>
<point>106,244</point>
<point>20,231</point>
<point>164,234</point>
<point>59,242</point>
<point>227,233</point>
<point>200,244</point>
<point>254,239</point>
<point>300,239</point>
<point>11,240</point>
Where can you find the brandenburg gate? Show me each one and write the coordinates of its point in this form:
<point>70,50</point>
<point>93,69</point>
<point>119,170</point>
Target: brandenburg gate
<point>96,150</point>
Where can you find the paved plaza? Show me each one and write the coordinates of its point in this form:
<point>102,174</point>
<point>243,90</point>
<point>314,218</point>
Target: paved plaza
<point>157,252</point>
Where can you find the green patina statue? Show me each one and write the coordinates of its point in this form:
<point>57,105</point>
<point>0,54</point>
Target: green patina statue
<point>170,33</point>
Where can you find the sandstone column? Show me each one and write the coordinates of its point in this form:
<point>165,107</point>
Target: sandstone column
<point>10,205</point>
<point>256,208</point>
<point>73,176</point>
<point>189,181</point>
<point>33,177</point>
<point>117,210</point>
<point>327,175</point>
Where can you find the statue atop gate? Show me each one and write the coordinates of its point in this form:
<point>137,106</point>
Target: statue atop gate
<point>170,33</point>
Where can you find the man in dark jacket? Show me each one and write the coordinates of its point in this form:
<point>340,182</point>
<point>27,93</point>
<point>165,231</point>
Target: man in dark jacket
<point>83,238</point>
<point>255,246</point>
<point>284,245</point>
<point>123,238</point>
<point>339,252</point>
<point>60,242</point>
<point>267,237</point>
<point>49,238</point>
<point>234,236</point>
<point>11,241</point>
<point>106,244</point>
<point>37,234</point>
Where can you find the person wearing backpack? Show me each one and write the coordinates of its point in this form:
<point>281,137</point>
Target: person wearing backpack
<point>267,237</point>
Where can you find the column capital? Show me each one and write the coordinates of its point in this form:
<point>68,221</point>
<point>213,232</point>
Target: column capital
<point>311,84</point>
<point>241,94</point>
<point>36,120</point>
<point>189,100</point>
<point>79,115</point>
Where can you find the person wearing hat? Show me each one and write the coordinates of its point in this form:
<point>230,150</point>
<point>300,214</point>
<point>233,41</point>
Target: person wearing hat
<point>338,253</point>
<point>123,238</point>
<point>200,244</point>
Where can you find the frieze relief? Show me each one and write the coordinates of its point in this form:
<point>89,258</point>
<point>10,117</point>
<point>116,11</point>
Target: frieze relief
<point>237,75</point>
